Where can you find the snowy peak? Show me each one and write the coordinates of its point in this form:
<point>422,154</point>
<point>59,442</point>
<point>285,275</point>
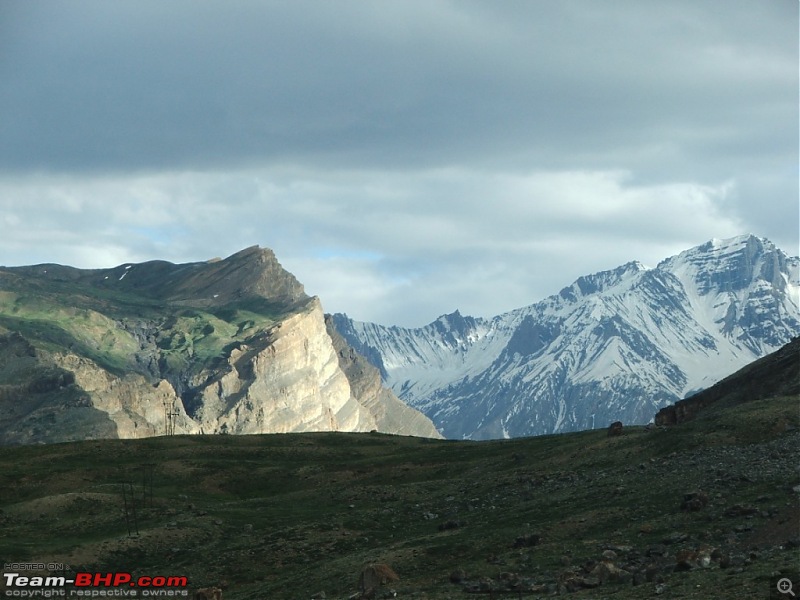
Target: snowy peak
<point>602,282</point>
<point>615,345</point>
<point>457,331</point>
<point>744,287</point>
<point>732,265</point>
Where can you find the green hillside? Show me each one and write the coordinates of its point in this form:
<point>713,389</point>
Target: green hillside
<point>142,328</point>
<point>102,325</point>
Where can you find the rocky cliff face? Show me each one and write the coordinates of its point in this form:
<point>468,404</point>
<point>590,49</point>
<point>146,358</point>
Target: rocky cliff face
<point>287,379</point>
<point>229,346</point>
<point>388,411</point>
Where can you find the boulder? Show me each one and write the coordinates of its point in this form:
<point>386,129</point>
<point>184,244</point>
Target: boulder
<point>694,501</point>
<point>526,541</point>
<point>374,576</point>
<point>685,560</point>
<point>608,572</point>
<point>458,576</point>
<point>615,429</point>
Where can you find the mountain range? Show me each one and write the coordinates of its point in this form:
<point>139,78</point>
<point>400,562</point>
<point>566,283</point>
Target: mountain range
<point>615,345</point>
<point>237,346</point>
<point>222,346</point>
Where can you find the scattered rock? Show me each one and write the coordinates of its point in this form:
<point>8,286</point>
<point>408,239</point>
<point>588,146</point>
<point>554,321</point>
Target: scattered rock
<point>675,538</point>
<point>447,525</point>
<point>372,577</point>
<point>653,573</point>
<point>694,501</point>
<point>656,550</point>
<point>615,429</point>
<point>458,576</point>
<point>608,572</point>
<point>685,560</point>
<point>727,561</point>
<point>511,580</point>
<point>740,510</point>
<point>569,581</point>
<point>704,557</point>
<point>526,541</point>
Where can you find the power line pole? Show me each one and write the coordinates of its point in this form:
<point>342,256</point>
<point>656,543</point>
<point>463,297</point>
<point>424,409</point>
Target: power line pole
<point>170,417</point>
<point>129,501</point>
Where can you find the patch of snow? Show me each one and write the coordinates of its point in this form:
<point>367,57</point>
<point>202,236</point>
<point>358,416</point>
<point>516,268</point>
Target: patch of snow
<point>634,336</point>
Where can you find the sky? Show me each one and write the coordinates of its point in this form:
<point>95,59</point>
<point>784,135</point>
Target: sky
<point>403,158</point>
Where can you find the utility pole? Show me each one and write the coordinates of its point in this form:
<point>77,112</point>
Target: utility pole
<point>129,501</point>
<point>170,414</point>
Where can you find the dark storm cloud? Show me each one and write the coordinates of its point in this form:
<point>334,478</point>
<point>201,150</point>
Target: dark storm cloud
<point>154,85</point>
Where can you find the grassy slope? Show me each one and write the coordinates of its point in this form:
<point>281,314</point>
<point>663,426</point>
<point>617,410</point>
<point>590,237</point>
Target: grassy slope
<point>98,323</point>
<point>286,516</point>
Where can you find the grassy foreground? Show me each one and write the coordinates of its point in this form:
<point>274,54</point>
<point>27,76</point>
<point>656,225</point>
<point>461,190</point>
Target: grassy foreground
<point>291,516</point>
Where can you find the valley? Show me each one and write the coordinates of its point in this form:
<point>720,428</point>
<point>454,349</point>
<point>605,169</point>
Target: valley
<point>293,515</point>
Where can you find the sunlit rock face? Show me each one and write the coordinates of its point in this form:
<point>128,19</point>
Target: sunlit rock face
<point>289,380</point>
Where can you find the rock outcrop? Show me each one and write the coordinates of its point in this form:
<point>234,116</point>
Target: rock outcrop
<point>228,346</point>
<point>286,380</point>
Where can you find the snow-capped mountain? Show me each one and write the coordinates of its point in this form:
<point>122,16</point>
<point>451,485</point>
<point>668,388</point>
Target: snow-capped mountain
<point>616,345</point>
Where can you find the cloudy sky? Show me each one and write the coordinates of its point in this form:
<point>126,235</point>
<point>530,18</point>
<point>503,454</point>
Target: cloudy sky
<point>403,158</point>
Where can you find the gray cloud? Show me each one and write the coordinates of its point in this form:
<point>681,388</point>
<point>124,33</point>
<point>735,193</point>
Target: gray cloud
<point>439,152</point>
<point>384,246</point>
<point>110,85</point>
